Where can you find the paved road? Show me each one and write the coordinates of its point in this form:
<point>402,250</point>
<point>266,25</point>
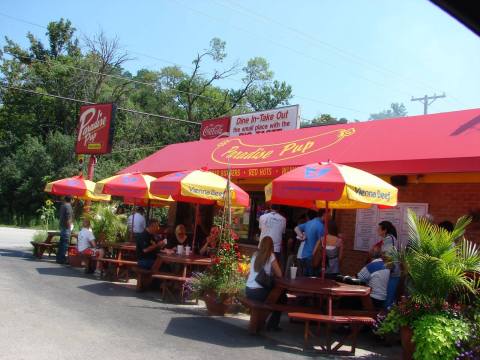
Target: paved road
<point>11,238</point>
<point>50,312</point>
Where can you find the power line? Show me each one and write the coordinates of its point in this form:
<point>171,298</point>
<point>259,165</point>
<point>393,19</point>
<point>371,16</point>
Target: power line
<point>167,61</point>
<point>154,85</point>
<point>91,103</point>
<point>256,35</point>
<point>111,76</point>
<point>344,53</point>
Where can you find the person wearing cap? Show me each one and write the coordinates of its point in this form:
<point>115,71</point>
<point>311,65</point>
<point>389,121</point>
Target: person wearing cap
<point>66,224</point>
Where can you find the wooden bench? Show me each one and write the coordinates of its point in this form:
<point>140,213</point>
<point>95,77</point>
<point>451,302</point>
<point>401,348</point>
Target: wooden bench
<point>356,322</point>
<point>144,278</point>
<point>48,245</point>
<point>112,267</point>
<point>259,311</point>
<point>170,277</point>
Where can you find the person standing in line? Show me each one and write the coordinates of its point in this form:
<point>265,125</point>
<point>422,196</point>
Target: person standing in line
<point>138,221</point>
<point>312,231</point>
<point>274,225</point>
<point>387,246</point>
<point>66,224</point>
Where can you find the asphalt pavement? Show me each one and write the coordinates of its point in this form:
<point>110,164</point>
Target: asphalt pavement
<point>49,311</point>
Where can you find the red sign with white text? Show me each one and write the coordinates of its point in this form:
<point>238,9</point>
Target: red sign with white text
<point>215,128</point>
<point>95,129</point>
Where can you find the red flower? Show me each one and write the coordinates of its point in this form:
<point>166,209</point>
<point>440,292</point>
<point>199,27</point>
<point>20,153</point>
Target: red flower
<point>226,246</point>
<point>234,235</point>
<point>216,260</point>
<point>239,256</point>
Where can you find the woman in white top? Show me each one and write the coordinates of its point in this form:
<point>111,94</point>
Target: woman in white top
<point>264,259</point>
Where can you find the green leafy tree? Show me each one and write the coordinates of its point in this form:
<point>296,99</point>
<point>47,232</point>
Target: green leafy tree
<point>322,120</point>
<point>396,110</point>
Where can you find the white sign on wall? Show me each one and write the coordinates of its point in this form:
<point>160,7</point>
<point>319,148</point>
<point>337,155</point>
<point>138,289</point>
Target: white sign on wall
<point>367,223</point>
<point>285,118</point>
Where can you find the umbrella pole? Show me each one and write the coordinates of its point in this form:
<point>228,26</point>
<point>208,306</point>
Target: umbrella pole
<point>195,227</point>
<point>148,210</point>
<point>133,219</point>
<point>324,241</point>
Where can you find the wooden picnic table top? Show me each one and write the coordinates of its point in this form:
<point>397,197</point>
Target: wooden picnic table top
<point>186,260</point>
<point>128,246</point>
<point>322,287</point>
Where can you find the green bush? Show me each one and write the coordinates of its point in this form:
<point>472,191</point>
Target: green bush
<point>39,236</point>
<point>435,336</point>
<point>106,224</point>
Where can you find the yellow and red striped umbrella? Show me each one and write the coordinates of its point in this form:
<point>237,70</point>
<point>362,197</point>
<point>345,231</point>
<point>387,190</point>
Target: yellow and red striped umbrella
<point>75,186</point>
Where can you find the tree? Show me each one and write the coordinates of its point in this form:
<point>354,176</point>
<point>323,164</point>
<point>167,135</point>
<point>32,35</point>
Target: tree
<point>37,133</point>
<point>322,120</point>
<point>396,110</point>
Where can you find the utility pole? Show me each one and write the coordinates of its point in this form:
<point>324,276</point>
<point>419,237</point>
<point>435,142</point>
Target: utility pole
<point>428,100</point>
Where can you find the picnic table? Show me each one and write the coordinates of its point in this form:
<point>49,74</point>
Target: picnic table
<point>122,257</point>
<point>316,287</point>
<point>144,277</point>
<point>40,247</point>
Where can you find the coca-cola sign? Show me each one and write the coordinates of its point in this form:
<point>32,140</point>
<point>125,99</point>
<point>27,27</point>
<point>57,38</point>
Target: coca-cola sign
<point>95,129</point>
<point>215,128</point>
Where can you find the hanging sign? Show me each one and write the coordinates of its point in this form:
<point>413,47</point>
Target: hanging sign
<point>95,129</point>
<point>285,118</point>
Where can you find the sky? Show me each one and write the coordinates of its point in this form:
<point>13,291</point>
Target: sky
<point>345,58</point>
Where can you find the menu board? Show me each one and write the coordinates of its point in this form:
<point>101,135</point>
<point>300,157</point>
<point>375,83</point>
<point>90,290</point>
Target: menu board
<point>367,223</point>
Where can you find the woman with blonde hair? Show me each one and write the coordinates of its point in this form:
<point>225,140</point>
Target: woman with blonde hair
<point>263,264</point>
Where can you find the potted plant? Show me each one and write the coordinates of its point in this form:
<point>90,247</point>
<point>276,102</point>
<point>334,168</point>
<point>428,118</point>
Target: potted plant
<point>437,263</point>
<point>107,226</point>
<point>225,279</point>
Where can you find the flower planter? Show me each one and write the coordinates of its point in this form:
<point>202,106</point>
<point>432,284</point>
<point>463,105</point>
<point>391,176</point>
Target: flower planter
<point>217,306</point>
<point>406,334</point>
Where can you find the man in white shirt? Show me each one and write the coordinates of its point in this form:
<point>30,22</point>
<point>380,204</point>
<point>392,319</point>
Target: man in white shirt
<point>273,224</point>
<point>138,221</point>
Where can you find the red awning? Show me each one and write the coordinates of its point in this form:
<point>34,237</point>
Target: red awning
<point>445,142</point>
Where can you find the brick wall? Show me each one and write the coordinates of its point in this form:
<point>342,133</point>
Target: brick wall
<point>445,202</point>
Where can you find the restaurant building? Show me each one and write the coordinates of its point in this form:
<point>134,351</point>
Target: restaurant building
<point>434,160</point>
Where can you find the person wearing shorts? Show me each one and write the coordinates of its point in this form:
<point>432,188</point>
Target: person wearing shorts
<point>86,244</point>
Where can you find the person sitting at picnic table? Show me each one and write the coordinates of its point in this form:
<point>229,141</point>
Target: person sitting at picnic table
<point>376,276</point>
<point>147,246</point>
<point>334,249</point>
<point>86,245</point>
<point>210,245</point>
<point>179,238</point>
<point>264,259</point>
<point>312,231</point>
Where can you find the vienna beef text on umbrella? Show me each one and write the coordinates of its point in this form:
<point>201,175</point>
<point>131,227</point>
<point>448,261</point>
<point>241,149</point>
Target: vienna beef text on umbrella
<point>75,186</point>
<point>331,186</point>
<point>198,187</point>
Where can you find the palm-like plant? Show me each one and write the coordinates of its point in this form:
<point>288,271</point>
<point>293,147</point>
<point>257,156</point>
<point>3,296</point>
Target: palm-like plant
<point>106,224</point>
<point>438,262</point>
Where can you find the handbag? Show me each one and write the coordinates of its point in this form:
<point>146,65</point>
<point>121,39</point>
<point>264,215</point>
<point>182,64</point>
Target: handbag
<point>264,280</point>
<point>317,257</point>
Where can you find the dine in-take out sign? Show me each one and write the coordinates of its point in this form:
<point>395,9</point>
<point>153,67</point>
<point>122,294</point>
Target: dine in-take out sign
<point>285,118</point>
<point>95,129</point>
